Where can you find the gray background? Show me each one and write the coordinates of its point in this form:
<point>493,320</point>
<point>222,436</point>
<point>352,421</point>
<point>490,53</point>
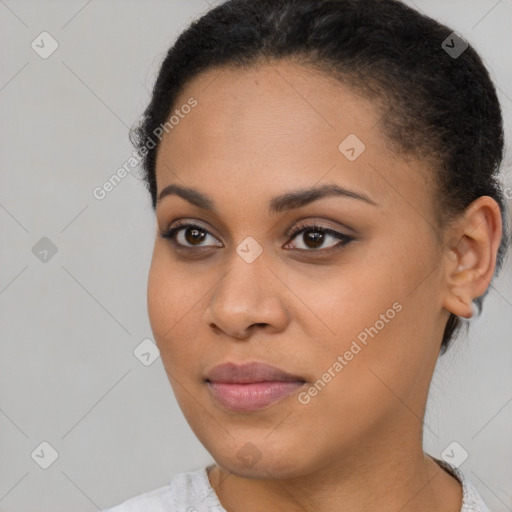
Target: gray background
<point>69,326</point>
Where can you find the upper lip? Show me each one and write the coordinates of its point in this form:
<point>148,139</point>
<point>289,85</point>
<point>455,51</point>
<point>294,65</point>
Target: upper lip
<point>250,372</point>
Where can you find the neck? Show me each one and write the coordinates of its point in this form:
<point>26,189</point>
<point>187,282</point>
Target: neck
<point>400,477</point>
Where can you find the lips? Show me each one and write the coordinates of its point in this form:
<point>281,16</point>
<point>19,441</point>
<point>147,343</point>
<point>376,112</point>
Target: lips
<point>250,386</point>
<point>250,373</point>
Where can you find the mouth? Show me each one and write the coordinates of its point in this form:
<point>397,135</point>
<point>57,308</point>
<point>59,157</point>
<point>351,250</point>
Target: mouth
<point>251,386</point>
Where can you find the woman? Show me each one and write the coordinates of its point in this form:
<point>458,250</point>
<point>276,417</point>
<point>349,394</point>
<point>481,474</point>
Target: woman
<point>324,177</point>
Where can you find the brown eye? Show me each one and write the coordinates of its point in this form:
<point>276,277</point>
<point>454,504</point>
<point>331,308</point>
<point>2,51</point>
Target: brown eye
<point>314,237</point>
<point>194,236</point>
<point>188,236</point>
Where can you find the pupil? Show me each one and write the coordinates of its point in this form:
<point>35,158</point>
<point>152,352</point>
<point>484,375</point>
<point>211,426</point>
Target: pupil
<point>315,237</point>
<point>197,235</point>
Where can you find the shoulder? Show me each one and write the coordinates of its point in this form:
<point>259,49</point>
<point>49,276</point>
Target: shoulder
<point>155,501</point>
<point>473,502</point>
<point>187,492</point>
<point>471,499</point>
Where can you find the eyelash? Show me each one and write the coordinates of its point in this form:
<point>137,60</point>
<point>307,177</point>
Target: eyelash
<point>303,227</point>
<point>300,228</point>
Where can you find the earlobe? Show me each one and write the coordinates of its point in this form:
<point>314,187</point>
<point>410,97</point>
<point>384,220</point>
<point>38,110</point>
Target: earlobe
<point>460,294</point>
<point>460,303</point>
<point>471,256</point>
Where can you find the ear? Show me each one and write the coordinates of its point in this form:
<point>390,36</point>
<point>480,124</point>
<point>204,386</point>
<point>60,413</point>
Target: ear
<point>471,254</point>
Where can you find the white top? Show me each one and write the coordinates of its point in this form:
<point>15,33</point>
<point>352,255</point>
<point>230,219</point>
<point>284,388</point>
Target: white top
<point>192,492</point>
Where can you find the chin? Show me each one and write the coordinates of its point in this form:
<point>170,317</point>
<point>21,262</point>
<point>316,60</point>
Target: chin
<point>259,458</point>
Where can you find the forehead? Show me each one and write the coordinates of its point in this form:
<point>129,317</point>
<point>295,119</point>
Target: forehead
<point>271,125</point>
<point>281,99</point>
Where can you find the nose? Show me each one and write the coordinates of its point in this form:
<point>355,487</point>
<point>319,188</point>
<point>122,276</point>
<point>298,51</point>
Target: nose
<point>248,296</point>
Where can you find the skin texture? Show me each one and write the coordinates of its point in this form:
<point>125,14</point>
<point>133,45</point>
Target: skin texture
<point>257,133</point>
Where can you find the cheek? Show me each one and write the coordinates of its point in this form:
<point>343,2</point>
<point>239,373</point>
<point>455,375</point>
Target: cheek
<point>161,299</point>
<point>353,298</point>
<point>376,315</point>
<point>176,302</point>
<point>170,299</point>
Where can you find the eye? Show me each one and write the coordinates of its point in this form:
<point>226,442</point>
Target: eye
<point>183,233</point>
<point>186,235</point>
<point>315,236</point>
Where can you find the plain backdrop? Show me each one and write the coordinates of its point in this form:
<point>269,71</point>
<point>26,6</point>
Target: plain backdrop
<point>73,268</point>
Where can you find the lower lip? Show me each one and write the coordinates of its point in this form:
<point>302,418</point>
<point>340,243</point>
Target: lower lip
<point>253,396</point>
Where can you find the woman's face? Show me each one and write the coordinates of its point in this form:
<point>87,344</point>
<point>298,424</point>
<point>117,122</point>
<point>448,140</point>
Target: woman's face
<point>357,317</point>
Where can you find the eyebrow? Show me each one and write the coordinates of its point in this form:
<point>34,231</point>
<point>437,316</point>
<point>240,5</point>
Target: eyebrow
<point>284,202</point>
